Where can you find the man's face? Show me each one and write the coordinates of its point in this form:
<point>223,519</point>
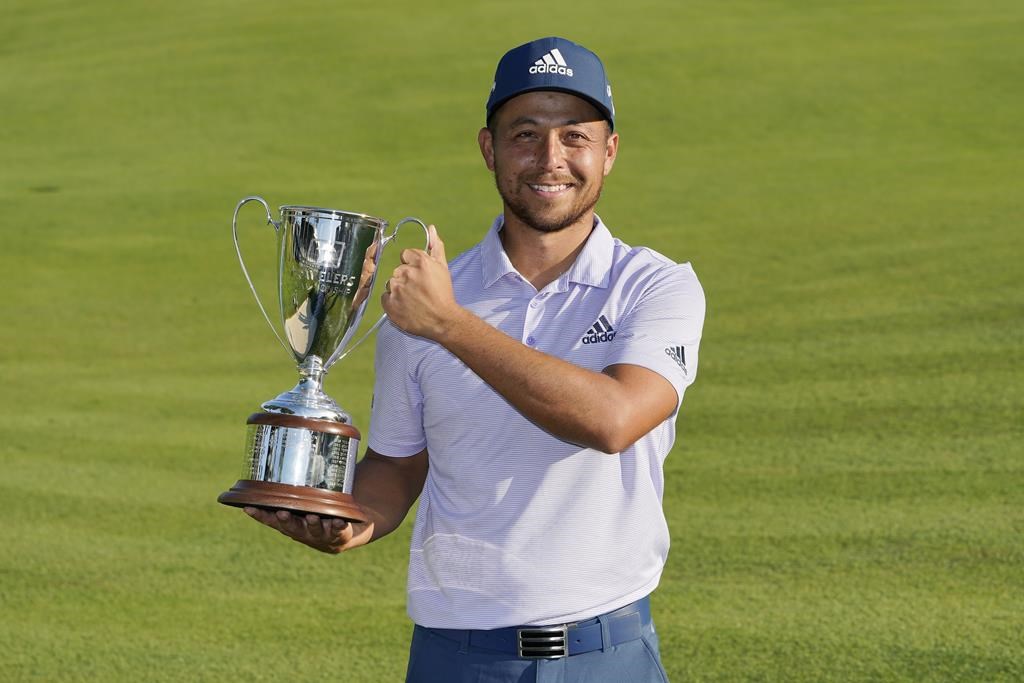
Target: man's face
<point>549,152</point>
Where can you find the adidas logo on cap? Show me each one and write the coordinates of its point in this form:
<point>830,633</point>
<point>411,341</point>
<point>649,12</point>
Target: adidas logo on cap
<point>551,63</point>
<point>600,331</point>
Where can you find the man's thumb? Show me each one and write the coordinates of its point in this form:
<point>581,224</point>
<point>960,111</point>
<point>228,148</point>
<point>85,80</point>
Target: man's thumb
<point>435,246</point>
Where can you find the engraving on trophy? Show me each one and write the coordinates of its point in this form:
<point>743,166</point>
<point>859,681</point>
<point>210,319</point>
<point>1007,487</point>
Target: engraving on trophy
<point>300,452</point>
<point>334,281</point>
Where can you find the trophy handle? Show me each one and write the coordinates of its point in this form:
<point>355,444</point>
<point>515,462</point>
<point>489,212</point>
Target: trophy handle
<point>385,241</point>
<point>241,262</point>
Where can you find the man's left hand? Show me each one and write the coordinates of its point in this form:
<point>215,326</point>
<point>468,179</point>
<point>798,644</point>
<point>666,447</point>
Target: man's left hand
<point>418,297</point>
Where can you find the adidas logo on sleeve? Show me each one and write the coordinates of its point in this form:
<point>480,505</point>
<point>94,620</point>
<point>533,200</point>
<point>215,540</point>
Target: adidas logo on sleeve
<point>600,331</point>
<point>552,63</point>
<point>678,354</point>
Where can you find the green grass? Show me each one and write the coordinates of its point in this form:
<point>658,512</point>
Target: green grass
<point>845,498</point>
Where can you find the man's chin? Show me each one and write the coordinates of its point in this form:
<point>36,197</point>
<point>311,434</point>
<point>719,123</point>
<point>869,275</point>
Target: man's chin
<point>547,223</point>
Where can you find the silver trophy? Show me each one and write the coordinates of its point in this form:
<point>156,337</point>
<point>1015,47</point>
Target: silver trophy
<point>300,452</point>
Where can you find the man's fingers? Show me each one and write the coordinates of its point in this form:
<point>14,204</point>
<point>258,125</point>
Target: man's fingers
<point>365,277</point>
<point>435,249</point>
<point>272,518</point>
<point>314,528</point>
<point>409,256</point>
<point>334,529</point>
<point>324,528</point>
<point>345,533</point>
<point>400,276</point>
<point>267,517</point>
<point>328,534</point>
<point>290,524</point>
<point>435,246</point>
<point>262,516</point>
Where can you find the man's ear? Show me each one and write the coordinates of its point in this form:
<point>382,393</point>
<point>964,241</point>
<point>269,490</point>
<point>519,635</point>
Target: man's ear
<point>486,142</point>
<point>611,152</point>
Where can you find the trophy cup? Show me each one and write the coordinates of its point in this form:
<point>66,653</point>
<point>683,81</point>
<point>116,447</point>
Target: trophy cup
<point>300,452</point>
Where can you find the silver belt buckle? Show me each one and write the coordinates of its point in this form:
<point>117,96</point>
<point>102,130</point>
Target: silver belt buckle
<point>543,642</point>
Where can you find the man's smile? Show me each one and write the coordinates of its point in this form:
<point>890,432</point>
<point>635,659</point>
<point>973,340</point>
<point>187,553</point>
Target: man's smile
<point>545,189</point>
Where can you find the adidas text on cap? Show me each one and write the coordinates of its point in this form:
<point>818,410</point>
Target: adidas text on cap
<point>552,64</point>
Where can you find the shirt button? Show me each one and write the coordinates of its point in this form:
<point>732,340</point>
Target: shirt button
<point>530,341</point>
<point>534,304</point>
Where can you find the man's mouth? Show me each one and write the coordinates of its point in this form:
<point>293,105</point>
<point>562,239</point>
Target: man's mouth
<point>549,189</point>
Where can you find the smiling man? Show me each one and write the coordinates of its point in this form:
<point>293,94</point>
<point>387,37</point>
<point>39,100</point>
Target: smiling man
<point>527,394</point>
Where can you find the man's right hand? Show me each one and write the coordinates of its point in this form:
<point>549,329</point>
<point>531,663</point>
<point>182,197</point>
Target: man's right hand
<point>386,487</point>
<point>326,534</point>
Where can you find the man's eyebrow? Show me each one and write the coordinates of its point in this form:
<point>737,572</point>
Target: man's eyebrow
<point>523,120</point>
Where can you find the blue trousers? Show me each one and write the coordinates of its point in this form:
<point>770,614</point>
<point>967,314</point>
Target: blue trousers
<point>435,657</point>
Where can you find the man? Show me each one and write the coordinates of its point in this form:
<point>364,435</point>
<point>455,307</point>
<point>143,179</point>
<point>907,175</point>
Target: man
<point>527,394</point>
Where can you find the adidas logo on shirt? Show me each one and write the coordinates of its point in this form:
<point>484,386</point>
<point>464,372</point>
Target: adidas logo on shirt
<point>678,354</point>
<point>551,63</point>
<point>600,331</point>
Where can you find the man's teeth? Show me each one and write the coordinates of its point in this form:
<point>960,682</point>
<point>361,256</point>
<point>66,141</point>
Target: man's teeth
<point>550,188</point>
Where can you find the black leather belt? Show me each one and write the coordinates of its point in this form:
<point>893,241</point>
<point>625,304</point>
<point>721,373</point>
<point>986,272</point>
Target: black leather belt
<point>560,640</point>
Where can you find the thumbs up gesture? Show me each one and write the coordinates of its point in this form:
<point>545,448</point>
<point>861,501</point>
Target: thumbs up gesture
<point>418,296</point>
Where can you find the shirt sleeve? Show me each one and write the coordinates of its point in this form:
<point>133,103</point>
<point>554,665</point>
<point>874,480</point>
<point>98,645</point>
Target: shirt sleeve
<point>662,330</point>
<point>396,413</point>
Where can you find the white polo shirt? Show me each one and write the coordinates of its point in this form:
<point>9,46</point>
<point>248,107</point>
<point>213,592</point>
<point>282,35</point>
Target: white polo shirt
<point>514,525</point>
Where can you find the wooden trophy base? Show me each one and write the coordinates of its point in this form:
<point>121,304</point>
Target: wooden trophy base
<point>300,499</point>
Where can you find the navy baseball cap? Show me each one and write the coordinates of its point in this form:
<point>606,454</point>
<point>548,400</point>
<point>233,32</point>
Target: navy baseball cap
<point>552,64</point>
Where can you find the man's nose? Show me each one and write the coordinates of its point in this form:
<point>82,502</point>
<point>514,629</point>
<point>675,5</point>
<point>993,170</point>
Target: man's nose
<point>552,153</point>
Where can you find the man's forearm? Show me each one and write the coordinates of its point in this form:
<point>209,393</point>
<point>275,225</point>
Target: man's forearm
<point>386,488</point>
<point>592,409</point>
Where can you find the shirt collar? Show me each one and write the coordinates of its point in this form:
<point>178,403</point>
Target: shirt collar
<point>495,261</point>
<point>592,266</point>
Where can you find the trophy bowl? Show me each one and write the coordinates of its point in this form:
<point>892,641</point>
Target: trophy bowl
<point>300,451</point>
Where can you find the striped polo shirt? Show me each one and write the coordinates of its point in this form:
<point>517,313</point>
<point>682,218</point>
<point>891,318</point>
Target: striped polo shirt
<point>515,526</point>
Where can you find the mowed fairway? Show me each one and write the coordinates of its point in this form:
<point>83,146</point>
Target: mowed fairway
<point>846,499</point>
